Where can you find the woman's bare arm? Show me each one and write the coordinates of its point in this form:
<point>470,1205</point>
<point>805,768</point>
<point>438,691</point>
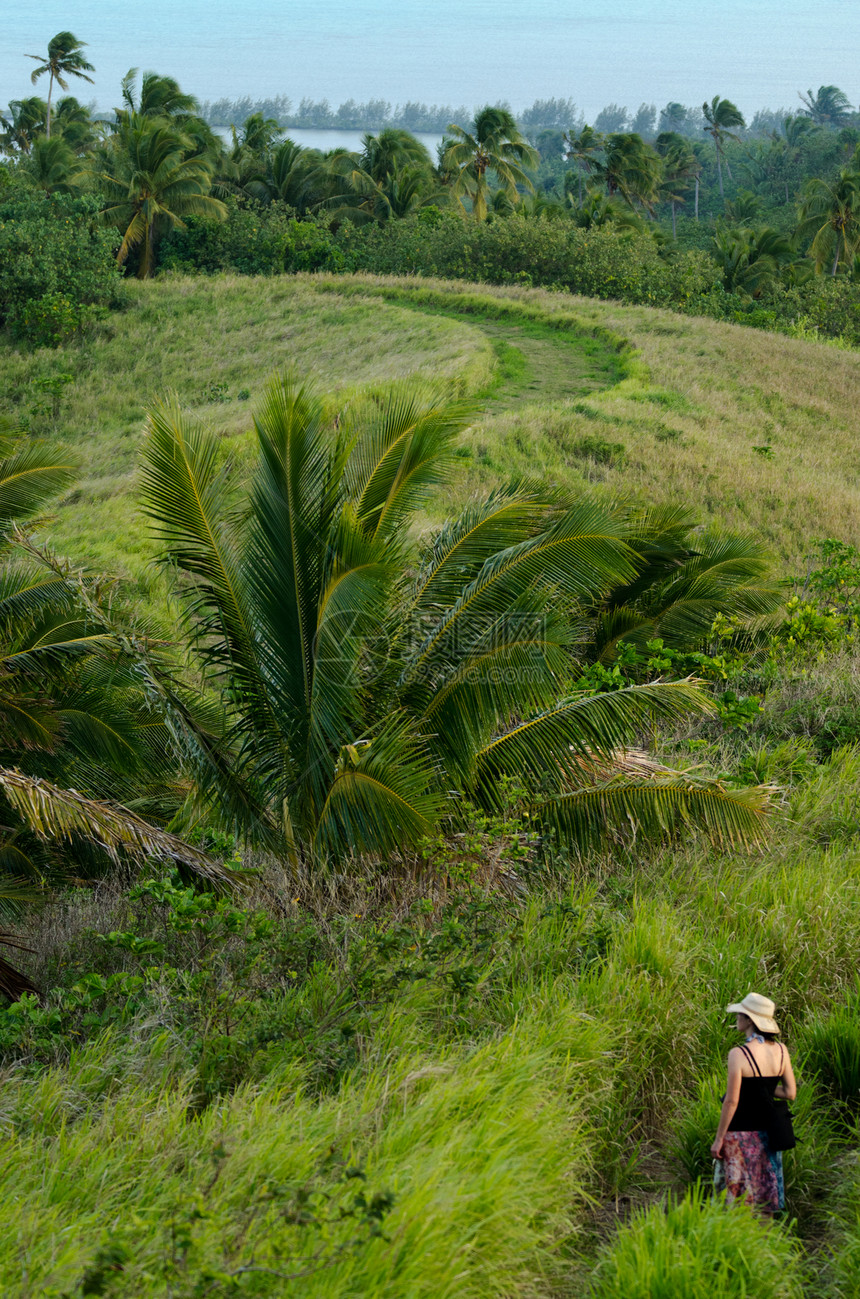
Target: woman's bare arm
<point>730,1101</point>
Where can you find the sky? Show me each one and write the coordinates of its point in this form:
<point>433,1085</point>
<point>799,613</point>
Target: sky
<point>758,53</point>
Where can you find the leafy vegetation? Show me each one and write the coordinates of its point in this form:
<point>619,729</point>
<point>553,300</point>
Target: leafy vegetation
<point>371,914</point>
<point>563,205</point>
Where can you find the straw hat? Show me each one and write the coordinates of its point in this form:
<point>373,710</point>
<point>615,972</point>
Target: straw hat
<point>758,1009</point>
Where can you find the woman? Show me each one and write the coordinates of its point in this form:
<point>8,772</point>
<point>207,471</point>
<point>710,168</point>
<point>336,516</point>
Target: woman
<point>748,1168</point>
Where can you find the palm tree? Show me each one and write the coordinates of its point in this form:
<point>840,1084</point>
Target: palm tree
<point>368,688</point>
<point>159,96</point>
<point>830,107</point>
<point>752,260</point>
<point>25,122</point>
<point>597,210</point>
<point>392,176</point>
<point>630,168</point>
<point>680,168</point>
<point>64,60</point>
<point>494,145</point>
<point>75,122</point>
<point>830,216</point>
<point>52,165</point>
<point>721,115</point>
<point>582,148</point>
<point>294,174</point>
<point>259,136</point>
<point>150,183</point>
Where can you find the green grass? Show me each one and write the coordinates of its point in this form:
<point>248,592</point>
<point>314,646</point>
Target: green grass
<point>515,1125</point>
<point>209,340</point>
<point>695,398</point>
<point>533,1096</point>
<point>684,402</point>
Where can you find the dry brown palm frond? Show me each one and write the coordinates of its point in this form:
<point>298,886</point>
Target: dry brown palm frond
<point>53,813</point>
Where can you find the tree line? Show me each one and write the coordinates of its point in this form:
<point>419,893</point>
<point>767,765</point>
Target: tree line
<point>785,203</point>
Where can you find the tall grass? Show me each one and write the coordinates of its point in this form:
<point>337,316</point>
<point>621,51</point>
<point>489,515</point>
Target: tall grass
<point>484,1152</point>
<point>695,1249</point>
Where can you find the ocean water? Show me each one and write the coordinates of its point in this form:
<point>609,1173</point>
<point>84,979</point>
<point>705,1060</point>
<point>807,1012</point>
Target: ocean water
<point>759,53</point>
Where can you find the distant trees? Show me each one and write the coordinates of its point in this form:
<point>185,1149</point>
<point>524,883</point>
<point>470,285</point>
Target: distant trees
<point>613,119</point>
<point>722,118</point>
<point>64,59</point>
<point>644,122</point>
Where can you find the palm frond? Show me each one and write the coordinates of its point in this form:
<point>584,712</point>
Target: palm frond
<point>184,494</point>
<point>384,793</point>
<point>30,473</point>
<point>508,516</point>
<point>659,808</point>
<point>55,814</point>
<point>402,450</point>
<point>581,554</point>
<point>564,740</point>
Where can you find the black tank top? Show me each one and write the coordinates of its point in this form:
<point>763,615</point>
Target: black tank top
<point>753,1111</point>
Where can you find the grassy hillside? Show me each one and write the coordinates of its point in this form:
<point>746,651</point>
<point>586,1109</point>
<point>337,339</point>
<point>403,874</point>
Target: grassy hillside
<point>752,429</point>
<point>402,1085</point>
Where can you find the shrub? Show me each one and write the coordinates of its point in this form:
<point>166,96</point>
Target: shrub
<point>50,320</point>
<point>54,259</point>
<point>515,250</point>
<point>254,240</point>
<point>695,1249</point>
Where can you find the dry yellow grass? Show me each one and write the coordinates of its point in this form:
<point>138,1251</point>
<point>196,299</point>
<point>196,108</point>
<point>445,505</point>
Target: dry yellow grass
<point>711,393</point>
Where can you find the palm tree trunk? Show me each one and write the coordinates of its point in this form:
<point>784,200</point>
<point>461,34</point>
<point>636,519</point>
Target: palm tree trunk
<point>50,93</point>
<point>697,198</point>
<point>146,262</point>
<point>720,172</point>
<point>835,260</point>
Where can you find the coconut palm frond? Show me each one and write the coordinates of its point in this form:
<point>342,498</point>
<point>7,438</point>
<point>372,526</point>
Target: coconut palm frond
<point>659,807</point>
<point>53,814</point>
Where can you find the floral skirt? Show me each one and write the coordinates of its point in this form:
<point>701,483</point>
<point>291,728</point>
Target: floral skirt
<point>751,1171</point>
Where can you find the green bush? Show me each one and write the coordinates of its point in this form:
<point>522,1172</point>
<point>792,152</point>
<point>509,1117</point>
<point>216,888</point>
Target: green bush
<point>51,320</point>
<point>54,259</point>
<point>697,1249</point>
<point>516,250</point>
<point>254,240</point>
